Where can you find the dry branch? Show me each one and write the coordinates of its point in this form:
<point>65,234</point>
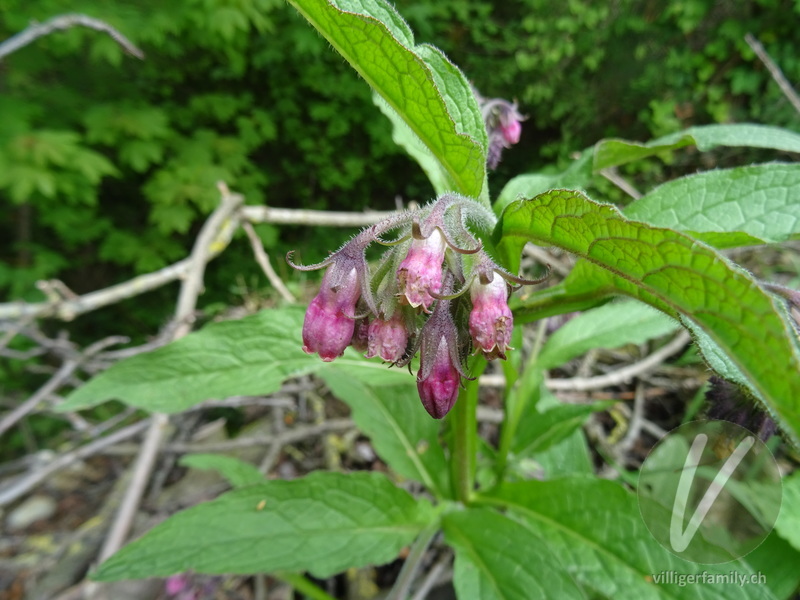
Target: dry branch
<point>38,30</point>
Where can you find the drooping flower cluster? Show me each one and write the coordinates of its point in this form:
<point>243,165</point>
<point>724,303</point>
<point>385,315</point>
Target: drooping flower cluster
<point>434,284</point>
<point>503,125</point>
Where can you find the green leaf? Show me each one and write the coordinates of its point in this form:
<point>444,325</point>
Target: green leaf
<point>430,96</point>
<point>727,207</point>
<point>593,529</point>
<point>612,153</point>
<point>322,523</point>
<point>716,358</point>
<point>777,562</point>
<point>788,524</point>
<point>538,432</point>
<point>496,560</point>
<point>236,471</point>
<point>676,274</point>
<point>609,326</point>
<point>577,176</point>
<point>402,433</point>
<point>570,456</point>
<point>252,356</point>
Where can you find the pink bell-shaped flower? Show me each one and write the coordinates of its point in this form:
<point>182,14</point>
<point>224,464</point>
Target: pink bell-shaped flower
<point>330,318</point>
<point>490,321</point>
<point>387,338</point>
<point>420,273</point>
<point>438,382</point>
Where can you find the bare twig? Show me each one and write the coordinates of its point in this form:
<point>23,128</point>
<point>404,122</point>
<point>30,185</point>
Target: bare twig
<point>774,70</point>
<point>289,216</point>
<point>290,436</point>
<point>546,258</point>
<point>67,309</point>
<point>214,236</point>
<point>263,260</point>
<point>66,370</point>
<point>618,180</point>
<point>620,376</point>
<point>434,576</point>
<point>635,422</point>
<point>33,478</point>
<point>38,30</point>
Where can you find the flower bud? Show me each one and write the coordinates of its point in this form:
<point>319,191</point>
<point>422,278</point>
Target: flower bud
<point>360,333</point>
<point>330,318</point>
<point>510,130</point>
<point>421,270</point>
<point>387,339</point>
<point>438,383</point>
<point>490,322</point>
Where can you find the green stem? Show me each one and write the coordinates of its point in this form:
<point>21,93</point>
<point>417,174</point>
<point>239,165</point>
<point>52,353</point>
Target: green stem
<point>413,560</point>
<point>465,435</point>
<point>518,399</point>
<point>304,586</point>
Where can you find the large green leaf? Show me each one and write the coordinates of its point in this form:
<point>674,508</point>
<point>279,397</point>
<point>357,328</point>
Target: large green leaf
<point>577,176</point>
<point>540,431</point>
<point>323,523</point>
<point>611,153</point>
<point>676,274</point>
<point>788,524</point>
<point>592,529</point>
<point>252,356</point>
<point>609,326</point>
<point>727,207</point>
<point>776,561</point>
<point>428,94</point>
<point>496,559</point>
<point>401,431</point>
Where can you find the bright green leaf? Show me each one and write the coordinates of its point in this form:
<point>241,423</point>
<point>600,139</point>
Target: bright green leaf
<point>378,44</point>
<point>236,471</point>
<point>727,207</point>
<point>570,456</point>
<point>788,524</point>
<point>609,326</point>
<point>323,523</point>
<point>672,272</point>
<point>776,561</point>
<point>496,559</point>
<point>612,153</point>
<point>401,431</point>
<point>540,431</point>
<point>577,176</point>
<point>252,356</point>
<point>593,530</point>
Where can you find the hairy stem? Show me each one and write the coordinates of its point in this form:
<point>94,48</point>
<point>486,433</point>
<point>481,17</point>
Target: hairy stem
<point>518,399</point>
<point>465,435</point>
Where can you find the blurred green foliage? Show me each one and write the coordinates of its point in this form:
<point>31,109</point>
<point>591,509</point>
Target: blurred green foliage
<point>108,164</point>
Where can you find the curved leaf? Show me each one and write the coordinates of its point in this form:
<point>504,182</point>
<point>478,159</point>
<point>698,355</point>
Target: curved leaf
<point>402,433</point>
<point>249,357</point>
<point>727,207</point>
<point>323,523</point>
<point>489,566</point>
<point>676,274</point>
<point>612,153</point>
<point>593,530</point>
<point>429,95</point>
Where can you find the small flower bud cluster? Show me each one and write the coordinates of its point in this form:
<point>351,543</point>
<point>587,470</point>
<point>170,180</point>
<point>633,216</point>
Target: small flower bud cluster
<point>503,125</point>
<point>434,284</point>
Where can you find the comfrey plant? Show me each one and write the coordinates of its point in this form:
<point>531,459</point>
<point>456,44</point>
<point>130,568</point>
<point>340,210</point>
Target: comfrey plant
<point>522,510</point>
<point>435,272</point>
